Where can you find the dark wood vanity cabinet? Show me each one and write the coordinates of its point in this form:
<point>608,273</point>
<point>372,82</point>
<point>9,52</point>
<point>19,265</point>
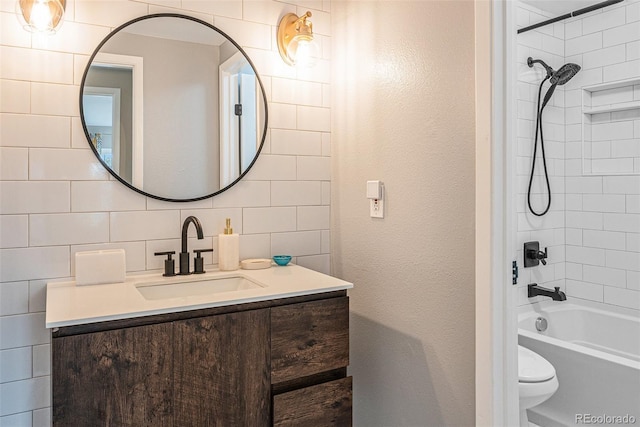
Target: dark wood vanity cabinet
<point>309,356</point>
<point>105,375</point>
<point>280,363</point>
<point>221,370</point>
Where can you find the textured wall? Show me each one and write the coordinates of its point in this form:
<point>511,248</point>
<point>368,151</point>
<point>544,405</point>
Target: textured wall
<point>56,199</point>
<point>403,113</point>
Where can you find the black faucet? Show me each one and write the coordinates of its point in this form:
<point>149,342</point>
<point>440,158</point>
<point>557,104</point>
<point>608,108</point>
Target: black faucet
<point>556,294</point>
<point>184,254</point>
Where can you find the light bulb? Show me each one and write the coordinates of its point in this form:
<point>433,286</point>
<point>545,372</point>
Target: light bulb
<point>41,16</point>
<point>303,52</point>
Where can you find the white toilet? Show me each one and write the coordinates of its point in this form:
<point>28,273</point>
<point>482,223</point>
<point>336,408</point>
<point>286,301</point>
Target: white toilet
<point>536,381</point>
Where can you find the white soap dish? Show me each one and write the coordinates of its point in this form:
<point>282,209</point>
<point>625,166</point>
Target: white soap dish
<point>255,264</point>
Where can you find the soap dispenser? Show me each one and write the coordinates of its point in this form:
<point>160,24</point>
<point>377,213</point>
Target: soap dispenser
<point>228,249</point>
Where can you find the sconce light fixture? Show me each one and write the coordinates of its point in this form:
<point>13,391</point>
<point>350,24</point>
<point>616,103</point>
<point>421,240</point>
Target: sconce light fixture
<point>295,40</point>
<point>41,16</point>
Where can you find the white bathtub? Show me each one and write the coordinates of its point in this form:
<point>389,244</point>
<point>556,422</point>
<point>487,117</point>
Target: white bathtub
<point>596,354</point>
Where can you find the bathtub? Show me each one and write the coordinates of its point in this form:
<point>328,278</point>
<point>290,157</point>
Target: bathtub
<point>596,354</point>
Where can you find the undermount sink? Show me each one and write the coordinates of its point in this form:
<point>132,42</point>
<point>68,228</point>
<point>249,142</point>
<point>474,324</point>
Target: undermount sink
<point>194,286</point>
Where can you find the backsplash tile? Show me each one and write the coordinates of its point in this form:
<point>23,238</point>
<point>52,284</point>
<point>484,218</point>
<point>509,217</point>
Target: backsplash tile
<point>56,199</point>
<point>20,359</point>
<point>314,168</point>
<point>21,130</point>
<point>144,225</point>
<point>14,298</point>
<point>297,243</point>
<point>16,95</point>
<point>14,231</point>
<point>23,330</point>
<point>264,220</point>
<point>54,99</point>
<point>46,164</point>
<point>244,194</point>
<point>228,8</point>
<point>18,197</point>
<point>292,193</point>
<point>26,395</point>
<point>95,196</point>
<point>34,263</point>
<point>296,142</point>
<point>68,228</point>
<point>36,65</point>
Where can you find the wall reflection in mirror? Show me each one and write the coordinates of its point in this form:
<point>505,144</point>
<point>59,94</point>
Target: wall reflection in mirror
<point>173,107</point>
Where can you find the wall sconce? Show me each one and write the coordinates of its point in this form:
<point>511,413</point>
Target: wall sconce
<point>295,40</point>
<point>41,16</point>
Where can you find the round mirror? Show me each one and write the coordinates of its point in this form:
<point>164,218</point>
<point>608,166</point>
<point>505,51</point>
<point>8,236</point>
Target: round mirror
<point>173,107</point>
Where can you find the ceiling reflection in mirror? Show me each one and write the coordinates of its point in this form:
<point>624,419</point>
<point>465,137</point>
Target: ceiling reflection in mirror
<point>173,107</point>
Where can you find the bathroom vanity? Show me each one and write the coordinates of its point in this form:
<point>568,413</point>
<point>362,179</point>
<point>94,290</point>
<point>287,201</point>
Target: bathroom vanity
<point>275,354</point>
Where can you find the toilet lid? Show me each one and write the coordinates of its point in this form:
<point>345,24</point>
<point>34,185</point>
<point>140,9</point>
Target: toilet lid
<point>533,368</point>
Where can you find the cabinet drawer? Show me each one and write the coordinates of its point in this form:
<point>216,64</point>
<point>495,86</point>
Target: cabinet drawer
<point>321,405</point>
<point>309,338</point>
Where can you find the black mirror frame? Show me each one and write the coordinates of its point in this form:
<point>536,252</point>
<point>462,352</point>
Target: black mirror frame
<point>94,149</point>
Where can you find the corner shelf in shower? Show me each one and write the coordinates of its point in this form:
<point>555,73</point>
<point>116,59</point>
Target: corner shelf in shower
<point>612,108</point>
<point>611,165</point>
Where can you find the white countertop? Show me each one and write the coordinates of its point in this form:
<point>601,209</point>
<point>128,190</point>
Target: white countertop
<point>68,304</point>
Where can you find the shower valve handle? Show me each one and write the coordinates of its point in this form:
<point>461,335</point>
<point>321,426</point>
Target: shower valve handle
<point>532,252</point>
<point>542,256</point>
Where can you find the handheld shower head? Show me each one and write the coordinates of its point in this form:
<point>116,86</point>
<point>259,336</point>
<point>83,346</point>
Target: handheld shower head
<point>560,77</point>
<point>556,78</point>
<point>564,74</point>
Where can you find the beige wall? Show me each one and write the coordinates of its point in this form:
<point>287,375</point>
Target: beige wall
<point>403,112</point>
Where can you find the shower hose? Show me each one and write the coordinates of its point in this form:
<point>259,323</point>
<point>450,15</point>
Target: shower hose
<point>544,159</point>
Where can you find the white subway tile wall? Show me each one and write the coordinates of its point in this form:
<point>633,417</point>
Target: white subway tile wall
<point>601,259</point>
<point>56,199</point>
<point>546,43</point>
<point>606,227</point>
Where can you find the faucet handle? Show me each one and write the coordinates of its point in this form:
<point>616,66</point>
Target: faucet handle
<point>169,263</point>
<point>542,256</point>
<point>198,261</point>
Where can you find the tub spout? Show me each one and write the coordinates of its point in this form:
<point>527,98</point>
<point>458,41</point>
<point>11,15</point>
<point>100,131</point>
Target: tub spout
<point>556,294</point>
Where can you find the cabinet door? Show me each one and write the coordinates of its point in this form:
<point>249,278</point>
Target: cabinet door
<point>321,405</point>
<point>309,338</point>
<point>221,370</point>
<point>113,378</point>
